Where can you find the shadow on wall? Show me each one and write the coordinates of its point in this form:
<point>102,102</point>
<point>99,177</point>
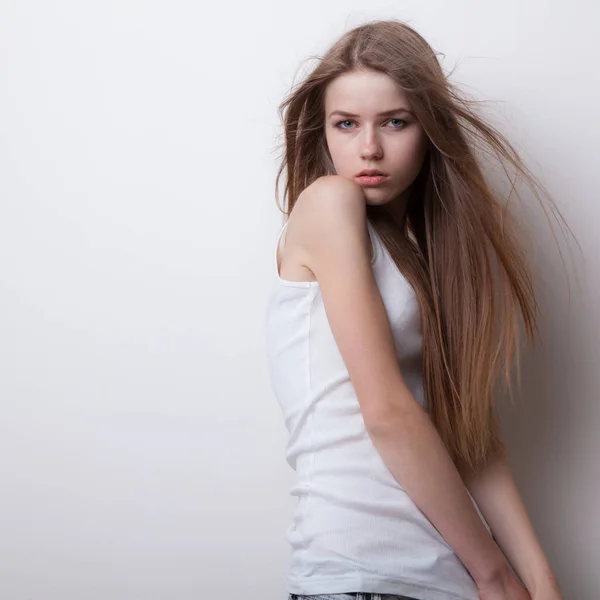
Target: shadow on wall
<point>549,430</point>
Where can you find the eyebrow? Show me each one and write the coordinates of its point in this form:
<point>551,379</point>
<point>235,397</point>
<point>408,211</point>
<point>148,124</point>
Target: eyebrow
<point>381,114</point>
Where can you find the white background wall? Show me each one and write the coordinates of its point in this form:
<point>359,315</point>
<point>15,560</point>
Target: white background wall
<point>141,448</point>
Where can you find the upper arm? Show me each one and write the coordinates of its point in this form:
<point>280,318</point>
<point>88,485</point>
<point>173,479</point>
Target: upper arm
<point>335,243</point>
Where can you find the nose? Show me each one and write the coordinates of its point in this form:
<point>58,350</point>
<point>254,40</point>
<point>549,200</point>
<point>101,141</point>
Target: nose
<point>370,145</point>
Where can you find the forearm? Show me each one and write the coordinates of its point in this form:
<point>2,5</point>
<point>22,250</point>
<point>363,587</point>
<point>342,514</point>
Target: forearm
<point>415,455</point>
<point>496,494</point>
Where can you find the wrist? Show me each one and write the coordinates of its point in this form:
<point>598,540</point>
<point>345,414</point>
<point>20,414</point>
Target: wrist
<point>493,574</point>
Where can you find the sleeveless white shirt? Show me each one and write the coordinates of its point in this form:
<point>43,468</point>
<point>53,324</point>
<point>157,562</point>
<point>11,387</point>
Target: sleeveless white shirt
<point>355,529</point>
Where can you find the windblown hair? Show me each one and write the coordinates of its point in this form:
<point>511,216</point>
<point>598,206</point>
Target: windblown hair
<point>459,247</point>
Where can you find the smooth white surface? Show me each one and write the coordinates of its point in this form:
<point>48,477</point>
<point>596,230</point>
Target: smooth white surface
<point>141,450</point>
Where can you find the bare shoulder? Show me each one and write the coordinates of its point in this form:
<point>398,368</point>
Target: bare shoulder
<point>330,213</point>
<point>331,193</point>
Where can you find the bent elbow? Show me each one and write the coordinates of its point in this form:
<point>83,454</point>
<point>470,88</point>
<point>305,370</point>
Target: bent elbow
<point>391,419</point>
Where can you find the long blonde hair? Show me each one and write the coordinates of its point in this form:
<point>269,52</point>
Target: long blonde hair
<point>459,246</point>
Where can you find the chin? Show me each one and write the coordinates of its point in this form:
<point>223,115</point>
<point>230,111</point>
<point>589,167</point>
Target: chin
<point>378,200</point>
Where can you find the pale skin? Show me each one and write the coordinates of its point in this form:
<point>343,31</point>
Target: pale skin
<point>327,241</point>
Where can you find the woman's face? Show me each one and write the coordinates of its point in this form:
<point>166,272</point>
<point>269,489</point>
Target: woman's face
<point>360,137</point>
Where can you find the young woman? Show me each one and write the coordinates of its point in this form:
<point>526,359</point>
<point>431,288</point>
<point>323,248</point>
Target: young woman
<point>400,284</point>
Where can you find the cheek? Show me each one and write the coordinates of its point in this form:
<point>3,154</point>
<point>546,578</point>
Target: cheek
<point>411,150</point>
<point>340,153</point>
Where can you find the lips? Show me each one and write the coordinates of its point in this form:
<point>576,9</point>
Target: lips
<point>371,180</point>
<point>370,172</point>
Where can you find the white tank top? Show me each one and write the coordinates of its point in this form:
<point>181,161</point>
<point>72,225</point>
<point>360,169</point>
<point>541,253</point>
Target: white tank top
<point>354,529</point>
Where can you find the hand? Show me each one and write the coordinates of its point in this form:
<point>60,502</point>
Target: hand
<point>505,587</point>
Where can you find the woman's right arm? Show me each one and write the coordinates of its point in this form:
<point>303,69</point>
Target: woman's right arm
<point>330,231</point>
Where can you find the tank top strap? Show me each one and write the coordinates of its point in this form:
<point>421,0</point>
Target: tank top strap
<point>277,242</point>
<point>375,241</point>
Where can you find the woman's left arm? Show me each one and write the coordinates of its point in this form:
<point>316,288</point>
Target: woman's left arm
<point>496,494</point>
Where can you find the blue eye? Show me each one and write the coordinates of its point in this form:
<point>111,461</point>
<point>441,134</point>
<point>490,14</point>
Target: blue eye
<point>348,121</point>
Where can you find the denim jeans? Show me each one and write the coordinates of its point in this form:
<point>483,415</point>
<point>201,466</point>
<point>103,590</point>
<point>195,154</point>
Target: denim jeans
<point>350,596</point>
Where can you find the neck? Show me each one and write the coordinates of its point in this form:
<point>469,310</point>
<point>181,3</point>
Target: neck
<point>397,207</point>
